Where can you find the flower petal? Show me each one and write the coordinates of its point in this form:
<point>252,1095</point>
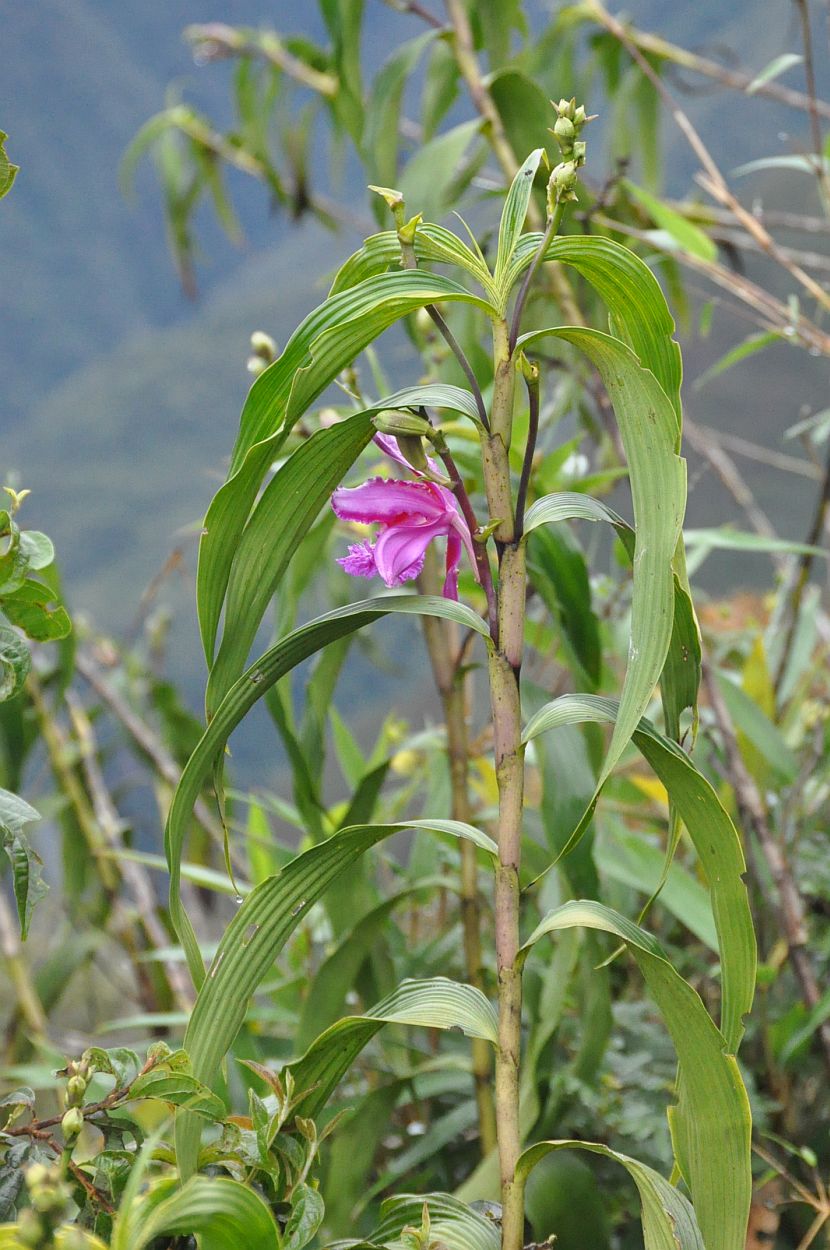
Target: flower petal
<point>387,500</point>
<point>400,551</point>
<point>360,561</point>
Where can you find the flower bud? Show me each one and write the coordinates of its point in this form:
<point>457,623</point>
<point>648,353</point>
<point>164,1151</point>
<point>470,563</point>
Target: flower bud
<point>424,325</point>
<point>75,1090</point>
<point>263,345</point>
<point>72,1123</point>
<point>562,184</point>
<point>406,232</point>
<point>565,130</point>
<point>411,448</point>
<point>394,421</point>
<point>256,365</point>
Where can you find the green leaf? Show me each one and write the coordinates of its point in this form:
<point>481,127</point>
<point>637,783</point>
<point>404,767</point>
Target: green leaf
<point>711,1124</point>
<point>223,1214</point>
<point>337,974</point>
<point>725,538</point>
<point>307,1211</point>
<point>268,669</point>
<point>774,69</point>
<point>29,609</point>
<point>796,164</point>
<point>685,233</point>
<point>8,171</point>
<point>762,733</point>
<point>627,857</point>
<point>434,1004</point>
<point>29,886</point>
<point>649,431</point>
<point>179,1089</point>
<point>433,243</point>
<point>430,179</point>
<point>524,109</point>
<point>668,1220</point>
<point>570,506</point>
<point>37,549</point>
<point>328,339</point>
<point>254,938</point>
<point>285,512</point>
<point>382,130</point>
<point>514,214</point>
<point>714,837</point>
<point>15,663</point>
<point>639,314</point>
<point>452,1223</point>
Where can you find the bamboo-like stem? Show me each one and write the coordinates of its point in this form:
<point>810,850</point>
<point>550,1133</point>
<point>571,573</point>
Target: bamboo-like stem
<point>504,691</point>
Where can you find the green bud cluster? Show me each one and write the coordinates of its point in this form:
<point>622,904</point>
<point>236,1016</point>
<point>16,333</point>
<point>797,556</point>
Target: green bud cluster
<point>78,1074</point>
<point>569,122</point>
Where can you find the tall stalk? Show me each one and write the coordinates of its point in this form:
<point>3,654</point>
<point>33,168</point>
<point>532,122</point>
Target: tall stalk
<point>505,665</point>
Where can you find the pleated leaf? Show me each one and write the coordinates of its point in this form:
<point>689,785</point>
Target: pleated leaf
<point>711,1124</point>
<point>668,1218</point>
<point>513,216</point>
<point>223,1214</point>
<point>328,339</point>
<point>649,430</point>
<point>710,829</point>
<point>254,938</point>
<point>435,1004</point>
<point>452,1223</point>
<point>251,686</point>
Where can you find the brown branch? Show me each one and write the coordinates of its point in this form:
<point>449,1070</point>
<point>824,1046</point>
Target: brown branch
<point>735,80</point>
<point>132,874</point>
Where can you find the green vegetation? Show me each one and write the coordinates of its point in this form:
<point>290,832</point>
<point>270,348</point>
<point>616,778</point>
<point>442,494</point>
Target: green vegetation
<point>543,967</point>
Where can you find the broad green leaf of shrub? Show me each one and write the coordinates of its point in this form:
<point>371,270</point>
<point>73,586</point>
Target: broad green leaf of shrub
<point>29,886</point>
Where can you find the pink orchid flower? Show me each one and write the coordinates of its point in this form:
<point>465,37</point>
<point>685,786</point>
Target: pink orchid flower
<point>410,516</point>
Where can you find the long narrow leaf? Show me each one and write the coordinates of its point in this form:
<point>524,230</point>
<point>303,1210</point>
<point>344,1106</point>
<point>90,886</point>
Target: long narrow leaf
<point>711,1124</point>
<point>713,834</point>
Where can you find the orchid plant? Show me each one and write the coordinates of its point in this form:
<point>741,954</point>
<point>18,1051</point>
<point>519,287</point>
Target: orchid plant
<point>485,516</point>
<point>490,516</point>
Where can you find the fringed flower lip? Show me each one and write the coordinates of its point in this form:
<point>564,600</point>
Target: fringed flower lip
<point>410,516</point>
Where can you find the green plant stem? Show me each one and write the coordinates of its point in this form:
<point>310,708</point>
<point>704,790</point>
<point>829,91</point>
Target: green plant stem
<point>551,230</point>
<point>504,669</point>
